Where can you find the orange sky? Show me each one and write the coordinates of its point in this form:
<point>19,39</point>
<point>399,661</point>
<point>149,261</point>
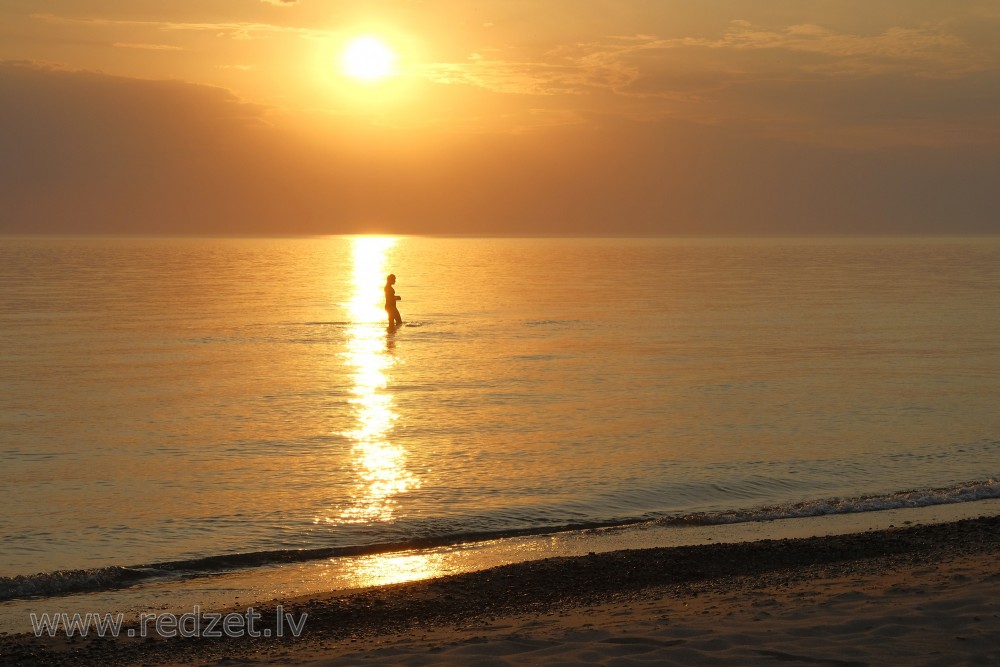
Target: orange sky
<point>502,117</point>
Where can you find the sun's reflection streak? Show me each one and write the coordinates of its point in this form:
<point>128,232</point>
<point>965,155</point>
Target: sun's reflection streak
<point>380,466</point>
<point>383,569</point>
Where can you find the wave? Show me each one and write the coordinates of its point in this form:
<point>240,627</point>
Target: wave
<point>967,492</point>
<point>62,582</point>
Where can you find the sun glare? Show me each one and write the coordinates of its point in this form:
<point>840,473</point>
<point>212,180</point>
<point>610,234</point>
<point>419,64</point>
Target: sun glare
<point>368,59</point>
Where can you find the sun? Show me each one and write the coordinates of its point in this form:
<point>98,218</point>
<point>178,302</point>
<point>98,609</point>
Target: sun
<point>368,59</point>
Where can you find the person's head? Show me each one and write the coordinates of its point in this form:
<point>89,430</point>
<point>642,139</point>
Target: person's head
<point>390,279</point>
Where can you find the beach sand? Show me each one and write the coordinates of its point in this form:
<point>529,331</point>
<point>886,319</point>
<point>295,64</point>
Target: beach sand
<point>920,595</point>
<point>952,616</point>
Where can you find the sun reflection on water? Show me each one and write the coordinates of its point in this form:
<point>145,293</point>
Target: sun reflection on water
<point>380,465</point>
<point>384,569</point>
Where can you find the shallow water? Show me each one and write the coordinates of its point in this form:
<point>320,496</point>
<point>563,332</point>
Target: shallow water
<point>178,399</point>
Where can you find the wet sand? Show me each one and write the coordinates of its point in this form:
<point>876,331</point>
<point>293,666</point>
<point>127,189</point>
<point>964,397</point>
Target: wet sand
<point>915,595</point>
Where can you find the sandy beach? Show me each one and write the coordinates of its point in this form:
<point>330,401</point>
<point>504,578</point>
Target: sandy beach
<point>950,618</point>
<point>926,595</point>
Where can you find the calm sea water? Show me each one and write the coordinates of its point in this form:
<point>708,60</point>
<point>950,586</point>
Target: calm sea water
<point>163,400</point>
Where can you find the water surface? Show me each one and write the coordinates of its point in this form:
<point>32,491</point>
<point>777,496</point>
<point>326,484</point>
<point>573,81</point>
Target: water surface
<point>173,399</point>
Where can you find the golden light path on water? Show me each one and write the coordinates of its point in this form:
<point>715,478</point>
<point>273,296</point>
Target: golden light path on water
<point>380,465</point>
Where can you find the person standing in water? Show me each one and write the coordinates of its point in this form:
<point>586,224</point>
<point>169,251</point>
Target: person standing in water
<point>390,302</point>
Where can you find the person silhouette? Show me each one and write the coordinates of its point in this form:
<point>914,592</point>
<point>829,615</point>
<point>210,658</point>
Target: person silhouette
<point>390,302</point>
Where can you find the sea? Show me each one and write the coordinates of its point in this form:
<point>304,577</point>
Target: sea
<point>202,415</point>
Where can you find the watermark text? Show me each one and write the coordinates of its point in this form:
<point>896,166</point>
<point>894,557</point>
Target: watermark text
<point>195,623</point>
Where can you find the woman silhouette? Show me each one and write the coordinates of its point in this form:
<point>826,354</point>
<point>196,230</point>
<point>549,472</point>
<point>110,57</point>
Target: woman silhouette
<point>390,302</point>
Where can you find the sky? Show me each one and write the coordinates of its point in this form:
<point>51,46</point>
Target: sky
<point>576,117</point>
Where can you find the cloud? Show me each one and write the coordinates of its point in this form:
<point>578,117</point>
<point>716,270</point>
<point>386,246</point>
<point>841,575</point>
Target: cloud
<point>921,85</point>
<point>84,152</point>
<point>927,51</point>
<point>149,47</point>
<point>280,3</point>
<point>613,62</point>
<point>235,30</point>
<point>747,50</point>
<point>616,62</point>
<point>118,153</point>
<point>519,77</point>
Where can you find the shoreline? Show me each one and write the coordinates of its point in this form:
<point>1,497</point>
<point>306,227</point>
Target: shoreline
<point>341,622</point>
<point>260,585</point>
